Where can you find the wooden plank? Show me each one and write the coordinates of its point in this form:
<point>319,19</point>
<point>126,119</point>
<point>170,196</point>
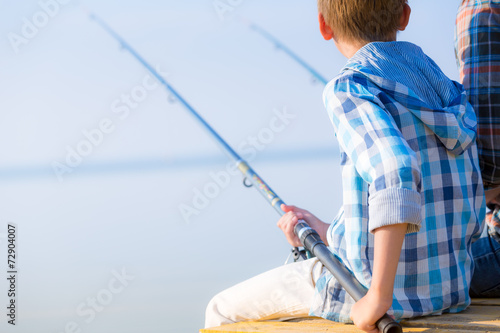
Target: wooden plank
<point>482,316</point>
<point>476,317</point>
<point>314,326</point>
<point>486,301</point>
<point>310,325</point>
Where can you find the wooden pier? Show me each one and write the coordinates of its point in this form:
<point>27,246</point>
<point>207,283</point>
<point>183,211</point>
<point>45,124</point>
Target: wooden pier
<point>482,316</point>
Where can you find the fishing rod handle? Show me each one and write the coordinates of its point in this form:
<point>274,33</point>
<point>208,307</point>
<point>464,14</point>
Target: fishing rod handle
<point>388,325</point>
<point>311,240</point>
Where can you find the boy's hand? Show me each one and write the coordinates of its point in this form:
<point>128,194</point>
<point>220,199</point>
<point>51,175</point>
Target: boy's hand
<point>368,310</point>
<point>293,214</point>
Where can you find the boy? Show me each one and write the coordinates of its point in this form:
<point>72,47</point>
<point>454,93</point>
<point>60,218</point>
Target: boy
<point>413,197</point>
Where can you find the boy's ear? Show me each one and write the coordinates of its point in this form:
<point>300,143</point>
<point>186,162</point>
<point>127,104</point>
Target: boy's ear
<point>405,17</point>
<point>325,30</point>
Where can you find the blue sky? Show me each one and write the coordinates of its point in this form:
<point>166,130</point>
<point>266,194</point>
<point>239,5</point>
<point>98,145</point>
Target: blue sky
<point>76,234</point>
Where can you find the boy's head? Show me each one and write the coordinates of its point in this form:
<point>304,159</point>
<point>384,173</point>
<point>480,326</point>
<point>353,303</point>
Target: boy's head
<point>363,21</point>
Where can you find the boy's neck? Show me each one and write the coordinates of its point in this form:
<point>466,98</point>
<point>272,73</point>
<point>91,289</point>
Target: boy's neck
<point>349,48</point>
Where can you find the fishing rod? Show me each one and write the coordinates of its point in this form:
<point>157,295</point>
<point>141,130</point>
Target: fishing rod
<point>309,238</point>
<point>285,49</point>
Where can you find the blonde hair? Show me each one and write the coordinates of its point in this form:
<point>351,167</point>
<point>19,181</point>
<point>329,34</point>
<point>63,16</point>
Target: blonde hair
<point>363,20</point>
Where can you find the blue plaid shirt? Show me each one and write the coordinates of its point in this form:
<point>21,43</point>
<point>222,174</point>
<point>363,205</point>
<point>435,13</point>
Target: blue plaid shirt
<point>407,140</point>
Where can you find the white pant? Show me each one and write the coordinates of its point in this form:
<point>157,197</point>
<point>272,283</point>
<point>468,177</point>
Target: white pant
<point>279,294</point>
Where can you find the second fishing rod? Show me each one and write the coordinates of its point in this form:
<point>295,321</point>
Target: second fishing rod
<point>309,238</point>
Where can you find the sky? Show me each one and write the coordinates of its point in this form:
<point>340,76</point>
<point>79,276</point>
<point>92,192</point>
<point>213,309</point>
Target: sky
<point>127,215</point>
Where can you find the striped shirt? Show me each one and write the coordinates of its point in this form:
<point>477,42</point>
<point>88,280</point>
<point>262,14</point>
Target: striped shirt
<point>408,151</point>
<point>478,53</point>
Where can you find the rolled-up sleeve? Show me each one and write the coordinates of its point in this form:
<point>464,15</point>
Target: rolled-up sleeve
<point>369,136</point>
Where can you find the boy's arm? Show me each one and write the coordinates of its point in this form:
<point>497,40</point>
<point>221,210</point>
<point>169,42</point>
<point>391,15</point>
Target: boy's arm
<point>387,249</point>
<point>382,157</point>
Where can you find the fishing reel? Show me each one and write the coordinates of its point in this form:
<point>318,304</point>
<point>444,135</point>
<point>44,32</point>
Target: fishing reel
<point>298,254</point>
